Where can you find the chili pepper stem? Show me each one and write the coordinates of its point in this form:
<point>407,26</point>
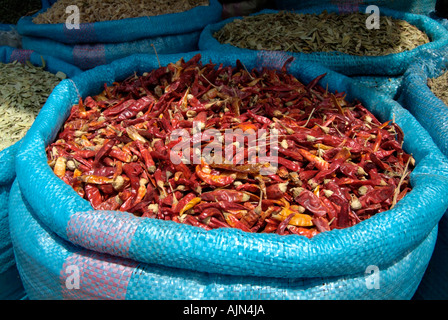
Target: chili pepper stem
<point>397,189</point>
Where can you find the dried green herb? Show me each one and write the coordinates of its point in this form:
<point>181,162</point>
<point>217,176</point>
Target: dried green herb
<point>325,32</point>
<point>439,86</point>
<point>106,10</point>
<point>24,88</point>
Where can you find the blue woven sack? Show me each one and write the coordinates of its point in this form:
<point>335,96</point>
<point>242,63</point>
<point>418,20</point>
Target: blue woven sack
<point>6,27</point>
<point>7,156</point>
<point>388,86</point>
<point>99,43</point>
<point>124,30</point>
<point>432,113</point>
<point>7,176</point>
<point>417,97</point>
<point>411,6</point>
<point>88,56</point>
<point>389,65</point>
<point>186,262</point>
<point>47,263</point>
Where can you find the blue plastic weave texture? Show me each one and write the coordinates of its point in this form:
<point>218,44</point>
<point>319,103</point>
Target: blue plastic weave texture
<point>432,113</point>
<point>388,86</point>
<point>47,263</point>
<point>6,27</point>
<point>416,96</point>
<point>341,254</point>
<point>125,30</point>
<point>7,177</point>
<point>389,65</point>
<point>87,56</point>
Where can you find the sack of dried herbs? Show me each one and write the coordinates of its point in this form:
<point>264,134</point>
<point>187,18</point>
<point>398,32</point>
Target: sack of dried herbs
<point>187,262</point>
<point>340,41</point>
<point>26,80</point>
<point>424,94</point>
<point>109,30</point>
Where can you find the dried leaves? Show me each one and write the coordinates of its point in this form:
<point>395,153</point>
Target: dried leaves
<point>325,32</point>
<point>23,91</point>
<point>107,10</point>
<point>439,86</point>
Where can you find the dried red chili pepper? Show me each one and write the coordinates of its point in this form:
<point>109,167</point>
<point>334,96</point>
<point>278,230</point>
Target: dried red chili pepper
<point>181,205</point>
<point>311,202</point>
<point>277,191</point>
<point>337,164</point>
<point>225,195</point>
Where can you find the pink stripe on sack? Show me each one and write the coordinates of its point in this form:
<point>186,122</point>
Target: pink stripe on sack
<point>87,56</point>
<point>273,59</point>
<point>88,275</point>
<point>21,55</point>
<point>347,6</point>
<point>103,231</point>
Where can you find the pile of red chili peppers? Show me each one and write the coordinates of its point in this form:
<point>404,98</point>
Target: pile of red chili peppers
<point>337,164</point>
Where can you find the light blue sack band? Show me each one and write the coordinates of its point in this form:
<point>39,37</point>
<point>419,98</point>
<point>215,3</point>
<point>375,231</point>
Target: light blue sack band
<point>88,56</point>
<point>432,113</point>
<point>48,266</point>
<point>124,30</point>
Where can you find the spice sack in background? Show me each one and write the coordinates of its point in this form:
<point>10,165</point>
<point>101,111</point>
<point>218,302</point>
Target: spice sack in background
<point>109,30</point>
